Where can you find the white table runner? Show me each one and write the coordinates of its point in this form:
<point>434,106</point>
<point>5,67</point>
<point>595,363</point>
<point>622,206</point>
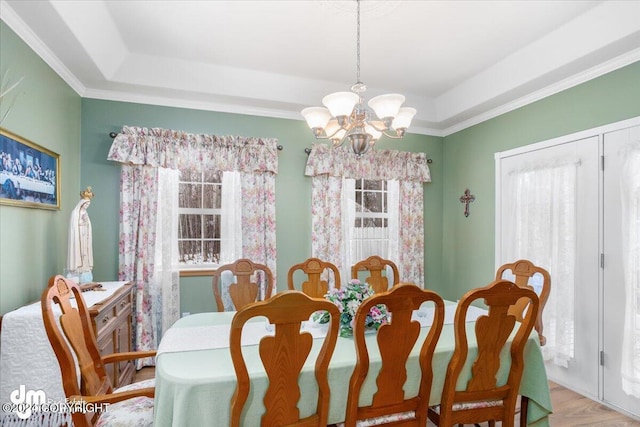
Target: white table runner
<point>217,336</point>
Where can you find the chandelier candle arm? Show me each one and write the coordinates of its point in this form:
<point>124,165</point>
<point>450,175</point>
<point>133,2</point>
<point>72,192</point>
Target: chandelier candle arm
<point>347,117</point>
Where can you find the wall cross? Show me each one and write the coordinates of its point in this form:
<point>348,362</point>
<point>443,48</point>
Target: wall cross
<point>466,199</point>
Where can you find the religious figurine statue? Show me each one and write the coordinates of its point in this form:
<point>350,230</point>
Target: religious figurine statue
<point>80,250</point>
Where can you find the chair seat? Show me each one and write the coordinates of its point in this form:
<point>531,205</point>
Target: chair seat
<point>386,419</point>
<point>470,405</point>
<point>131,412</point>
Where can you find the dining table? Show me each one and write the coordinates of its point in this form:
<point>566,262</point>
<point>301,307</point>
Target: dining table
<point>195,378</point>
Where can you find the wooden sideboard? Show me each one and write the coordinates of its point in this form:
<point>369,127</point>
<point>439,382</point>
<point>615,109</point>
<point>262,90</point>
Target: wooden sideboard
<point>112,325</point>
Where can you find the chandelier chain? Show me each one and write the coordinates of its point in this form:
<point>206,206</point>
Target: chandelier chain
<point>358,44</point>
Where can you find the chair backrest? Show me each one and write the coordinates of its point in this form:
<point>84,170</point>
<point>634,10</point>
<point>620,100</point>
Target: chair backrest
<point>524,270</point>
<point>243,291</point>
<point>74,335</point>
<point>492,332</point>
<point>375,265</point>
<point>314,286</point>
<point>283,356</point>
<point>396,340</point>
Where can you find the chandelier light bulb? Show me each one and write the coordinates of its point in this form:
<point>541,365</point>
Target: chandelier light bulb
<point>316,117</point>
<point>334,132</point>
<point>403,118</point>
<point>341,103</point>
<point>386,105</point>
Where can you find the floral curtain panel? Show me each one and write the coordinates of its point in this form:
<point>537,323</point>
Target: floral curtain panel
<point>146,154</point>
<point>329,166</point>
<point>173,149</point>
<point>377,164</point>
<point>137,249</point>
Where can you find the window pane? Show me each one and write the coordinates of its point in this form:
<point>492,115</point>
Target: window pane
<point>373,222</point>
<point>372,184</point>
<point>212,251</point>
<point>189,175</point>
<point>190,251</point>
<point>372,202</point>
<point>212,197</point>
<point>213,176</point>
<point>190,195</point>
<point>211,226</point>
<point>189,226</point>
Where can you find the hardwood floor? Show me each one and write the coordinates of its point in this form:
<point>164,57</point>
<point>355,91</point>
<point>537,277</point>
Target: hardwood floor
<point>569,409</point>
<point>572,409</point>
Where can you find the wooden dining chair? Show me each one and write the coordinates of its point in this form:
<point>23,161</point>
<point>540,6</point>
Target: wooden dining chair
<point>71,334</point>
<point>395,341</point>
<point>283,356</point>
<point>244,291</point>
<point>523,271</point>
<point>375,265</point>
<point>482,398</point>
<point>314,286</point>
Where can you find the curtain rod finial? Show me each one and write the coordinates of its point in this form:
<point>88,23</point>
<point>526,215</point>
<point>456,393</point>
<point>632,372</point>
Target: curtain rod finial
<point>113,134</point>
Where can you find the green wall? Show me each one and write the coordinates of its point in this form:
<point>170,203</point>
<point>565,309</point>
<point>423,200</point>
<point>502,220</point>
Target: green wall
<point>293,189</point>
<point>468,245</point>
<point>47,112</point>
<point>459,251</point>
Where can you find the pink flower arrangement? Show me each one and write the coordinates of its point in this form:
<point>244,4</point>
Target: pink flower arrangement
<point>348,300</point>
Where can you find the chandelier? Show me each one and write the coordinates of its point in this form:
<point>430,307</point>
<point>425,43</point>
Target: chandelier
<point>344,115</point>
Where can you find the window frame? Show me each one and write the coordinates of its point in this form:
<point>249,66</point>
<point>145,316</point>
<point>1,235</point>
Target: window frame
<point>186,268</point>
<point>362,214</point>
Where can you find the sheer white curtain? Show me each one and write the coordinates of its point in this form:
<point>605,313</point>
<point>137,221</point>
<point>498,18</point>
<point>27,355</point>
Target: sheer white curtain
<point>231,221</point>
<point>393,205</point>
<point>165,279</point>
<point>363,242</point>
<point>349,206</point>
<point>630,225</point>
<point>542,211</point>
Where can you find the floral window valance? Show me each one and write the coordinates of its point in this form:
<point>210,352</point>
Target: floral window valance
<point>377,164</point>
<point>173,149</point>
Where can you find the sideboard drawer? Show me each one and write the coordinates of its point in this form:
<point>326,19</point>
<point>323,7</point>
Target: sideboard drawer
<point>112,325</point>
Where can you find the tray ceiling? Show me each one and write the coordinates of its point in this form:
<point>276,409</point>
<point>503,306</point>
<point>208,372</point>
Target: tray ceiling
<point>457,62</point>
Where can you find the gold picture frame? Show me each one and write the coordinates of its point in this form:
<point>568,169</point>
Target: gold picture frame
<point>29,173</point>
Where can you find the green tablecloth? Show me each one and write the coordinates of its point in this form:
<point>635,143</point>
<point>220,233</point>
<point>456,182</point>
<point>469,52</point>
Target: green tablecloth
<point>194,388</point>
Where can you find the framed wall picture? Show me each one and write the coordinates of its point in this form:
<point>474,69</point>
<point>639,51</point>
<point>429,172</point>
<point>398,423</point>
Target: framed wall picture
<point>29,173</point>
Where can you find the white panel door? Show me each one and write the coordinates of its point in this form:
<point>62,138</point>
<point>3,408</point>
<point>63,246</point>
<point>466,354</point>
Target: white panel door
<point>529,197</point>
<point>621,337</point>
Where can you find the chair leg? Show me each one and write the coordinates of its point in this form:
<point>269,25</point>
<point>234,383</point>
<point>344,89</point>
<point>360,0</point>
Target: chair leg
<point>524,407</point>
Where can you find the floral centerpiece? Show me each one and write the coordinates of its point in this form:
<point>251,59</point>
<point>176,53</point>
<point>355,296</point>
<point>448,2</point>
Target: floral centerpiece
<point>348,299</point>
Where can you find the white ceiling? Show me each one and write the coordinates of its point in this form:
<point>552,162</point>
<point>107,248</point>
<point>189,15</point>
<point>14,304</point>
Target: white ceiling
<point>457,62</point>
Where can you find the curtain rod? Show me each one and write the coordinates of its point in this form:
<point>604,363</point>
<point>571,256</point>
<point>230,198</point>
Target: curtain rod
<point>308,151</point>
<point>114,134</point>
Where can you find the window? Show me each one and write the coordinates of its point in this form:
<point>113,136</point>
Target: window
<point>370,232</point>
<point>200,217</point>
